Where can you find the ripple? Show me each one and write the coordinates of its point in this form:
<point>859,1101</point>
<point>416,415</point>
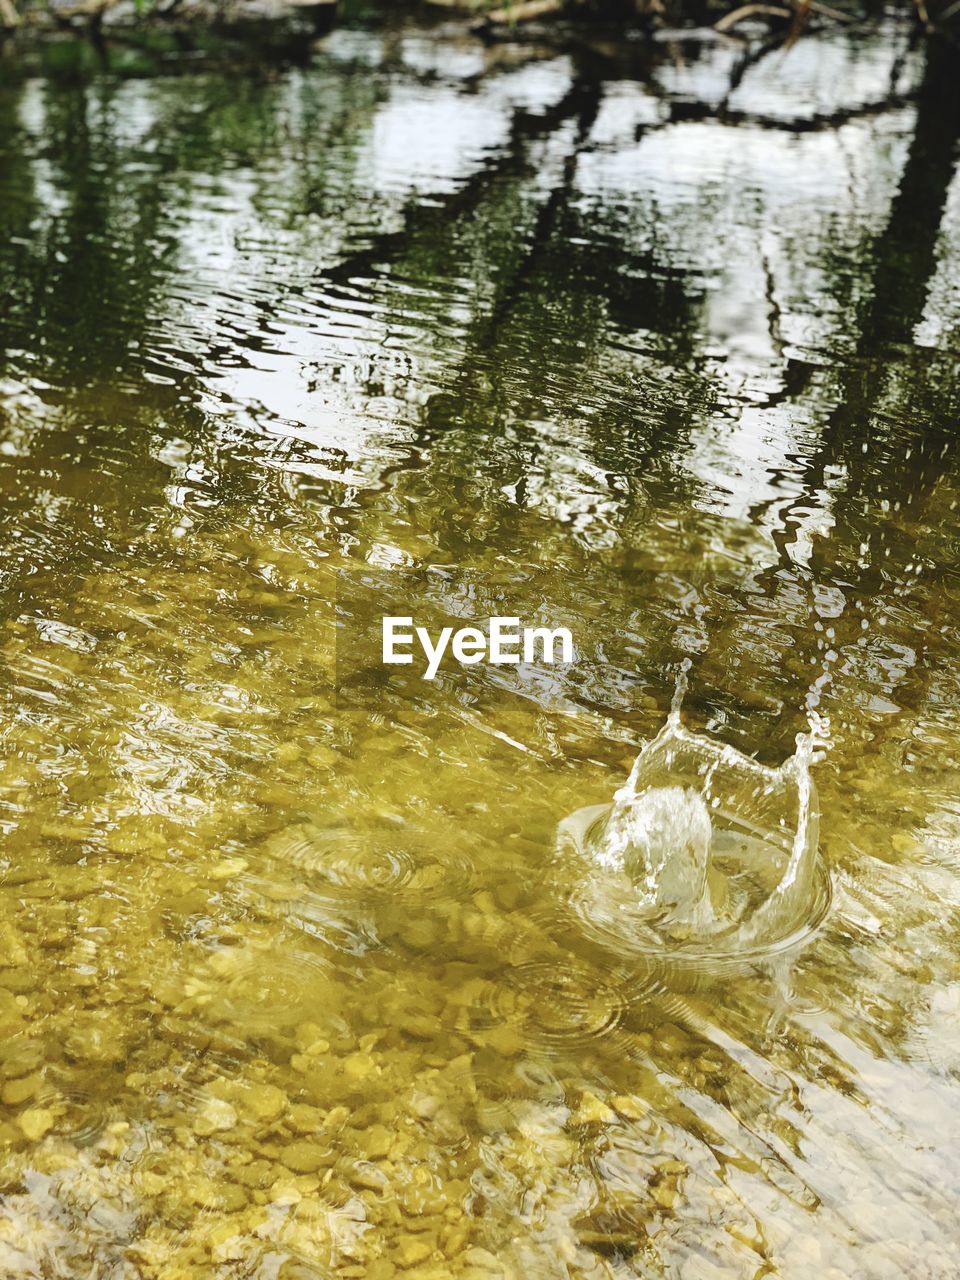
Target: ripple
<point>80,1114</point>
<point>274,989</point>
<point>324,917</point>
<point>545,1002</point>
<point>504,1095</point>
<point>567,1002</point>
<point>366,865</point>
<point>619,928</point>
<point>365,868</point>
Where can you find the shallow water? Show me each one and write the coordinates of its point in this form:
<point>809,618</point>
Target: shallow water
<point>660,344</point>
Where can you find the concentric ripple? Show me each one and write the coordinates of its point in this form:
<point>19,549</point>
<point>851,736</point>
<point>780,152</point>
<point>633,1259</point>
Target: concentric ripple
<point>80,1114</point>
<point>322,916</point>
<point>605,916</point>
<point>373,864</point>
<point>568,1002</point>
<point>270,990</point>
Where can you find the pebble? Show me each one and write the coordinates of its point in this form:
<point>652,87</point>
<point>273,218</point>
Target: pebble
<point>375,1142</point>
<point>36,1122</point>
<point>16,1092</point>
<point>381,1269</point>
<point>209,1193</point>
<point>258,1174</point>
<point>358,1066</point>
<point>368,1177</point>
<point>228,868</point>
<point>95,1042</point>
<point>664,1194</point>
<point>21,1056</point>
<point>504,1039</point>
<point>419,1027</point>
<point>421,1201</point>
<point>322,757</point>
<point>592,1111</point>
<point>216,1116</point>
<point>231,1198</point>
<point>483,1259</point>
<point>307,1157</point>
<point>303,1118</point>
<point>630,1108</point>
<point>904,842</point>
<point>412,1250</point>
<point>264,1102</point>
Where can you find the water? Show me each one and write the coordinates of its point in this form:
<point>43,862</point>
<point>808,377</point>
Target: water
<point>703,849</point>
<point>655,342</point>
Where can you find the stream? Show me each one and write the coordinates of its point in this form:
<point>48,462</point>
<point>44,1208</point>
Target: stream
<point>302,974</point>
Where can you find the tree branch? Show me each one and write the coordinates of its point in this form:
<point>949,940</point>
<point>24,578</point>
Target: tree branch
<point>730,20</point>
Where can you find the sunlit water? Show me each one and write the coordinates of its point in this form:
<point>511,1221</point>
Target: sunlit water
<point>659,343</point>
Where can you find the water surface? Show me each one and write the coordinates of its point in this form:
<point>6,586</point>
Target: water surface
<point>659,342</point>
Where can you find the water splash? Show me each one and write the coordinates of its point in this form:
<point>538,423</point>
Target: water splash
<point>660,838</point>
<point>704,852</point>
